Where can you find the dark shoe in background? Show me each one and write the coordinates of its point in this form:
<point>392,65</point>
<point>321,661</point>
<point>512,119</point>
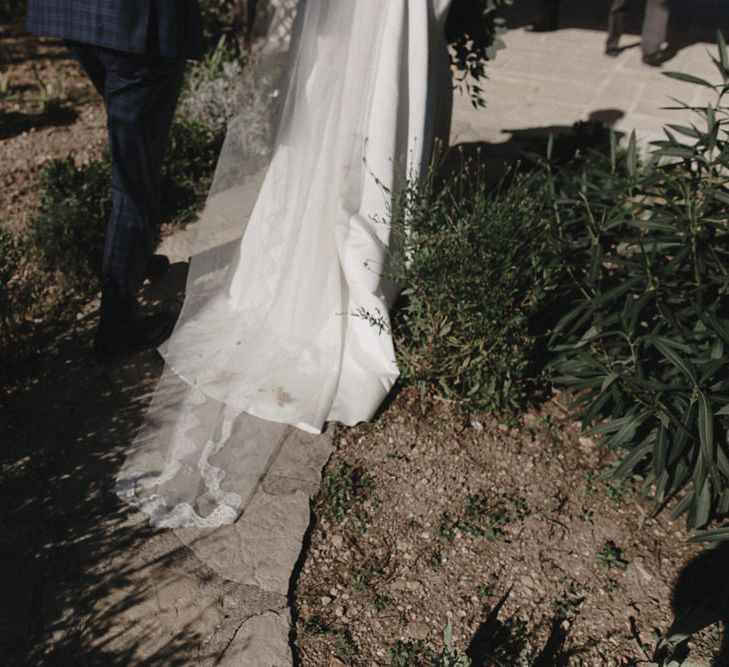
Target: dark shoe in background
<point>655,59</point>
<point>612,51</point>
<point>150,332</point>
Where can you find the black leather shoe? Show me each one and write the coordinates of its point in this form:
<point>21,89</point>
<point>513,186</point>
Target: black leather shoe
<point>612,51</point>
<point>655,59</point>
<point>148,333</point>
<point>157,266</point>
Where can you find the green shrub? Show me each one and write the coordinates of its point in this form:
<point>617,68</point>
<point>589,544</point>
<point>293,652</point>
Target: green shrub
<point>644,345</point>
<point>68,230</point>
<point>476,269</point>
<point>188,169</point>
<point>18,288</point>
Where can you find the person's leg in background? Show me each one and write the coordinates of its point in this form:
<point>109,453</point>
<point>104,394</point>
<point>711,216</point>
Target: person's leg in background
<point>655,28</point>
<point>141,93</point>
<point>616,23</point>
<point>141,96</point>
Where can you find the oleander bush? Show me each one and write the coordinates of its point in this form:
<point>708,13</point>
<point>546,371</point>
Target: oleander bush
<point>68,230</point>
<point>643,346</point>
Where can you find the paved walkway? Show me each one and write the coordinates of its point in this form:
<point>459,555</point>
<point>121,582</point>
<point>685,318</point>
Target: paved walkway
<point>552,80</point>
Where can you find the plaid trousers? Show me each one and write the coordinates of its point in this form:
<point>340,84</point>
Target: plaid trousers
<point>140,92</point>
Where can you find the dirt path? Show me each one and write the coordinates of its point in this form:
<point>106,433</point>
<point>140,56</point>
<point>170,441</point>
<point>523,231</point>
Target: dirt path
<point>32,134</point>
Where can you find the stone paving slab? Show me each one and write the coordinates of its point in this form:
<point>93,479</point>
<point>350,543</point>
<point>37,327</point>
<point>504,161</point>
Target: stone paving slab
<point>558,78</point>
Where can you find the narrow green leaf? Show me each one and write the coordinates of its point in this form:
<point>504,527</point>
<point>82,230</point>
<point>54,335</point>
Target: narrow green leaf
<point>722,462</point>
<point>608,381</point>
<point>683,505</point>
<point>611,426</point>
<point>722,196</point>
<point>660,451</point>
<point>706,429</point>
<point>688,78</point>
<point>632,459</point>
<point>676,151</point>
<point>671,355</point>
<point>719,535</point>
<point>686,131</point>
<point>631,158</point>
<point>723,57</point>
<point>703,505</point>
<point>661,484</point>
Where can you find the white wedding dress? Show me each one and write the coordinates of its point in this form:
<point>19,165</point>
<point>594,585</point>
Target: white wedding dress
<point>292,251</point>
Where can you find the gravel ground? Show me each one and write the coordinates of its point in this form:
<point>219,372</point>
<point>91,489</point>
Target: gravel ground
<point>34,132</point>
<point>503,528</point>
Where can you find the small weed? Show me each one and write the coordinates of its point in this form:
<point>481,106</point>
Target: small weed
<point>410,654</point>
<point>360,522</point>
<point>610,557</point>
<point>618,489</point>
<point>590,483</point>
<point>506,510</point>
<point>51,95</point>
<point>586,515</point>
<point>447,527</point>
<point>344,486</point>
<point>566,607</point>
<point>483,591</point>
<point>435,558</point>
<point>360,581</point>
<point>344,646</point>
<point>314,626</point>
<point>380,602</point>
<point>475,506</point>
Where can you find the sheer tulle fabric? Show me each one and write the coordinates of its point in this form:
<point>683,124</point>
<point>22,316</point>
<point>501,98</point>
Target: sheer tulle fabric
<point>292,251</point>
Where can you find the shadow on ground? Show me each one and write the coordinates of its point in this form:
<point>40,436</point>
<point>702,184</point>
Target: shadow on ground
<point>491,162</point>
<point>692,21</point>
<point>74,559</point>
<point>499,642</point>
<point>17,122</point>
<point>701,599</point>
